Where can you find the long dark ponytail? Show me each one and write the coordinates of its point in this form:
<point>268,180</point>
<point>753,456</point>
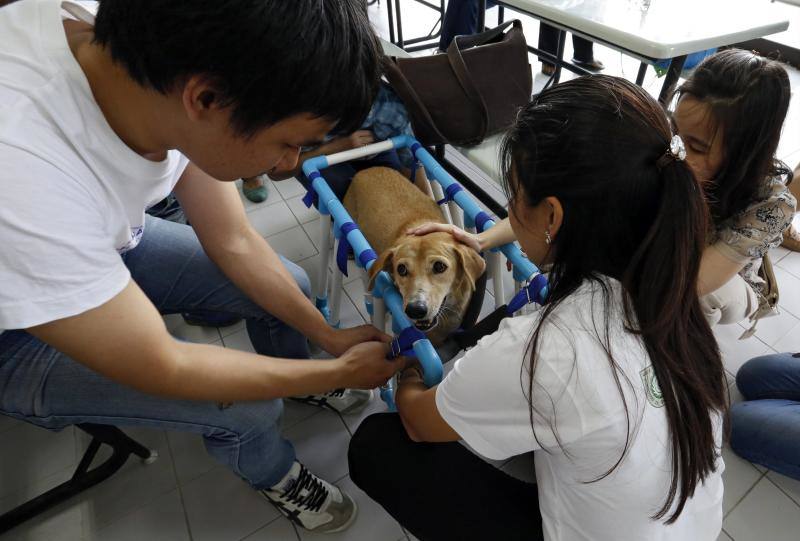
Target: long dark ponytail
<point>598,144</point>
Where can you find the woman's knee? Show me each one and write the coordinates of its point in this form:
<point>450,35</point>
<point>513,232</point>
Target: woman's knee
<point>369,444</point>
<point>761,374</point>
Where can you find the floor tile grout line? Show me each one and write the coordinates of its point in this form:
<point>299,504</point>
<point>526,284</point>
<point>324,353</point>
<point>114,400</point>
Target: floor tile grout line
<point>749,490</point>
<point>180,490</point>
<point>796,502</point>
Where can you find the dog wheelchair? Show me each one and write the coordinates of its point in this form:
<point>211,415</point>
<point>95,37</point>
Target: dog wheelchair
<point>458,208</point>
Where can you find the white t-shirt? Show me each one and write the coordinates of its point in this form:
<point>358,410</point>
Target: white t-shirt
<point>72,194</point>
<point>484,400</point>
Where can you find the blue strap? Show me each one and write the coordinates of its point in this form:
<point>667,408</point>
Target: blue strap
<point>403,344</point>
<point>415,164</point>
<point>530,293</point>
<point>344,246</point>
<point>480,221</point>
<point>366,256</point>
<point>450,193</point>
<point>311,197</point>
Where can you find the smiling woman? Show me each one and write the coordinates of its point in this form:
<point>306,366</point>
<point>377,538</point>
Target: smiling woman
<point>730,113</point>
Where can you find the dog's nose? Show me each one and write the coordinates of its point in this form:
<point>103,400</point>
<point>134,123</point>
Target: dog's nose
<point>416,309</point>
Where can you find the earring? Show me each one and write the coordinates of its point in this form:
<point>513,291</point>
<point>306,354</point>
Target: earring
<point>547,238</point>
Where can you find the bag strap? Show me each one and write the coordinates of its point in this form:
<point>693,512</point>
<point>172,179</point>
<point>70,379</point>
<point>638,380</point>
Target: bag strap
<point>468,85</point>
<point>461,70</point>
<point>407,94</point>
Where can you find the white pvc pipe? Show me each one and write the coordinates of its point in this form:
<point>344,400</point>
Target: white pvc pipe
<point>325,255</point>
<point>360,152</point>
<point>438,195</point>
<point>336,291</point>
<point>379,314</point>
<point>496,265</point>
<point>457,214</point>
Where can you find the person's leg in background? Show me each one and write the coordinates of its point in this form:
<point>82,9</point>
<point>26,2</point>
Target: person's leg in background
<point>255,188</point>
<point>791,238</point>
<point>460,19</point>
<point>440,491</point>
<point>765,429</point>
<point>583,50</point>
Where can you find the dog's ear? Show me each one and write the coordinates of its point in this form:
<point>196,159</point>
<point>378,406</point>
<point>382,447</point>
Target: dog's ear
<point>472,263</point>
<point>384,262</point>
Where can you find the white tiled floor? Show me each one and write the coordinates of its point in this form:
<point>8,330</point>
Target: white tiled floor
<point>186,495</point>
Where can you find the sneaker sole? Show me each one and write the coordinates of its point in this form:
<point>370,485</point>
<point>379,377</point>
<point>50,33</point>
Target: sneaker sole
<point>346,524</point>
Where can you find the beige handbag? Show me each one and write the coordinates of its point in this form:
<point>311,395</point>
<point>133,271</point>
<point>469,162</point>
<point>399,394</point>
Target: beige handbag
<point>768,301</point>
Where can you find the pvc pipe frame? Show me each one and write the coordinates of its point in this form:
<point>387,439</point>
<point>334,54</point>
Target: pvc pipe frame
<point>385,294</point>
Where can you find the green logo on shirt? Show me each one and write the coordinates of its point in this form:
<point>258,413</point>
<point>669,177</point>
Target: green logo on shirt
<point>651,388</point>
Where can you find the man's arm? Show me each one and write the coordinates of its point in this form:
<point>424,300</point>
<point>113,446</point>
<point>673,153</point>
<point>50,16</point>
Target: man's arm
<point>126,340</point>
<point>218,217</point>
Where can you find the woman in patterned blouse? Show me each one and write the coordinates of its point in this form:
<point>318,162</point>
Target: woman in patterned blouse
<point>729,114</point>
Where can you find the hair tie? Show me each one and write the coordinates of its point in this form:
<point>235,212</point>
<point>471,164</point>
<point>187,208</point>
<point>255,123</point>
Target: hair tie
<point>675,153</point>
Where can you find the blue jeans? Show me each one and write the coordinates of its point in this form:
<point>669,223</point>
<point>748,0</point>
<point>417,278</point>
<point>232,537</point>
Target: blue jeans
<point>460,19</point>
<point>40,385</point>
<point>765,429</point>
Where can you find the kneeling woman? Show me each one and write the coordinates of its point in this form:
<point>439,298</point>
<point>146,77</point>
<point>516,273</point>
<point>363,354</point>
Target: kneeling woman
<point>616,384</point>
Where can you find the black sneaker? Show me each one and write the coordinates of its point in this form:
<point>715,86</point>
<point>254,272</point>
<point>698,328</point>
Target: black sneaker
<point>345,401</point>
<point>312,503</point>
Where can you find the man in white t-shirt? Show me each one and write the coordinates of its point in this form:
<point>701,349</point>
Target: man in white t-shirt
<point>100,119</point>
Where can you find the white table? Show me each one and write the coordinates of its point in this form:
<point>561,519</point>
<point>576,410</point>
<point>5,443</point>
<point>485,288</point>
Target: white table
<point>669,29</point>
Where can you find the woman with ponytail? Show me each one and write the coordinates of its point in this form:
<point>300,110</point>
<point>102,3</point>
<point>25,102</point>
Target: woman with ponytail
<point>616,384</point>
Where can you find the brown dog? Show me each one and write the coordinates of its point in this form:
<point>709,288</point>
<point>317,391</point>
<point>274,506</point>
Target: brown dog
<point>434,273</point>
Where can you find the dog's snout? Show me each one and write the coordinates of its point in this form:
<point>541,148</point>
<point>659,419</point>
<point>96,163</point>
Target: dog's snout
<point>416,309</point>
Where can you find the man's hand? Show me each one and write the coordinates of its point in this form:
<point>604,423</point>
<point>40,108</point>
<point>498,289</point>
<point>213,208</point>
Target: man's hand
<point>365,366</point>
<point>342,340</point>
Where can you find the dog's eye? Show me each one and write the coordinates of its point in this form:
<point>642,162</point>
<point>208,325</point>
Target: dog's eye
<point>402,270</point>
<point>439,267</point>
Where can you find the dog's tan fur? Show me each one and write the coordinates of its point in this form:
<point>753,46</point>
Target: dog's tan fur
<point>385,204</point>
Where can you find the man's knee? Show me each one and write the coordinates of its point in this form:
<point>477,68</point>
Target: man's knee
<point>246,419</point>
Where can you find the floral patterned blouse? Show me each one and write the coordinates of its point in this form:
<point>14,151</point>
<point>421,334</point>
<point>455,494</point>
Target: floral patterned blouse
<point>748,236</point>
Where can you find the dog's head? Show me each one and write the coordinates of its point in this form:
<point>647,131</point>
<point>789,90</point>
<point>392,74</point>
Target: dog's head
<point>427,270</point>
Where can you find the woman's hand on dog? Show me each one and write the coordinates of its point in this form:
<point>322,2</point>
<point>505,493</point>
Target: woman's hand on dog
<point>342,340</point>
<point>365,366</point>
<point>459,234</point>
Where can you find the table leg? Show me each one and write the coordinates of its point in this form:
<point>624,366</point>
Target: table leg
<point>399,25</point>
<point>673,74</point>
<point>481,15</point>
<point>501,15</point>
<point>389,8</point>
<point>641,74</point>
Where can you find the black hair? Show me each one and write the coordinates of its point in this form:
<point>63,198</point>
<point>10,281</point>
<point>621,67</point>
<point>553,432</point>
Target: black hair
<point>598,145</point>
<point>267,59</point>
<point>748,96</point>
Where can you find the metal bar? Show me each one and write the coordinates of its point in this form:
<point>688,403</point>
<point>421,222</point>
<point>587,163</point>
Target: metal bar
<point>641,74</point>
<point>389,9</point>
<point>673,74</point>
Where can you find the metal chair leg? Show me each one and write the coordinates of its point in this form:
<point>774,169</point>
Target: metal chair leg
<point>84,478</point>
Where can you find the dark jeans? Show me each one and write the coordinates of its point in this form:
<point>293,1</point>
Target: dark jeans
<point>461,19</point>
<point>548,41</point>
<point>765,429</point>
<point>440,490</point>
